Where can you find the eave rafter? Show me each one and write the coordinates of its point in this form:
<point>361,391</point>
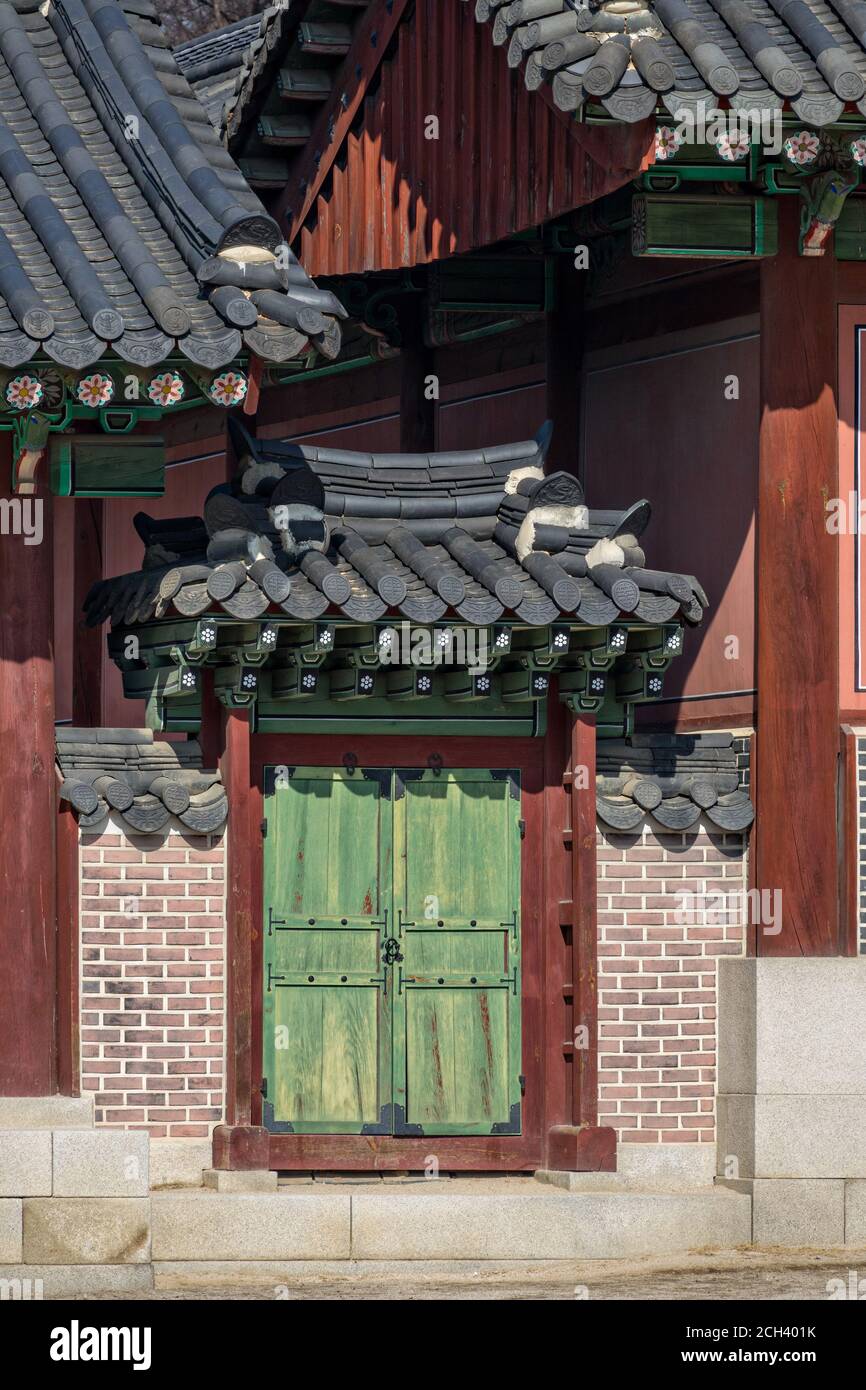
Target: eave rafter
<point>370,42</point>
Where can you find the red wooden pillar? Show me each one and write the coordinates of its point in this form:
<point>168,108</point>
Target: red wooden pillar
<point>28,925</point>
<point>564,356</point>
<point>576,1142</point>
<point>238,1143</point>
<point>798,620</point>
<point>417,406</point>
<point>88,642</point>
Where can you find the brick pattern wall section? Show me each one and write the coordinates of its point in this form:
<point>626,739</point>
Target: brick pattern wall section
<point>152,914</point>
<point>658,951</point>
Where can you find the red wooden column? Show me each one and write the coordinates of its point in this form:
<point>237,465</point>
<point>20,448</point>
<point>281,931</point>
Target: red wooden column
<point>798,620</point>
<point>27,803</point>
<point>580,1144</point>
<point>417,412</point>
<point>565,328</point>
<point>88,642</point>
<point>238,1143</point>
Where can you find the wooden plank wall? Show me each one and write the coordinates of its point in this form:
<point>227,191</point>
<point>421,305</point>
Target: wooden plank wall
<point>660,364</point>
<point>395,197</point>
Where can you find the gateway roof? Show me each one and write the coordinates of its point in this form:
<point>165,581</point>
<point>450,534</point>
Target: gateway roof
<point>476,534</point>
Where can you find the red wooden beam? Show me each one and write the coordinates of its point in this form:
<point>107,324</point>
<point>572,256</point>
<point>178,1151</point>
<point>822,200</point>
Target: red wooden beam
<point>797,567</point>
<point>28,956</point>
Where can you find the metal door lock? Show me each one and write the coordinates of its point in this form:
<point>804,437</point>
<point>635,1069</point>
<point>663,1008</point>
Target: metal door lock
<point>391,951</point>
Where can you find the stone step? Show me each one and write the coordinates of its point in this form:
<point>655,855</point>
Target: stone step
<point>509,1219</point>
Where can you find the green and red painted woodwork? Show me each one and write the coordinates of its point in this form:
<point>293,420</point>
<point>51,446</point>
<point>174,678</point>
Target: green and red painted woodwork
<point>549,1136</point>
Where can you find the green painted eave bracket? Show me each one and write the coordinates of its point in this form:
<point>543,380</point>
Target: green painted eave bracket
<point>339,673</point>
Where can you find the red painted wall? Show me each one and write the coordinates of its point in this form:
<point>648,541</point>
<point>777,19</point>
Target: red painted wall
<point>657,424</point>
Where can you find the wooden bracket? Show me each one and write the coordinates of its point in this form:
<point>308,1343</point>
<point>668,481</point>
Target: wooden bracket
<point>25,473</point>
<point>823,200</point>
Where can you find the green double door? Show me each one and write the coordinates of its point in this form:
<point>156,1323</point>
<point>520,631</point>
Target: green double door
<point>392,951</point>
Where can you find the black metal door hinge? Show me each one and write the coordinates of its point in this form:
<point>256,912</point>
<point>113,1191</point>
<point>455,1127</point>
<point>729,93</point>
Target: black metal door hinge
<point>264,1087</point>
<point>522,1080</point>
<point>521,826</point>
<point>264,827</point>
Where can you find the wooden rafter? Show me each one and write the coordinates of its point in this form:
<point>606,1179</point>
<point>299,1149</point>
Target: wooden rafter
<point>369,46</point>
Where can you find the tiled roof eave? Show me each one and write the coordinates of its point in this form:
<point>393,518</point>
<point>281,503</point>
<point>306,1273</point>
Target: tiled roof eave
<point>672,55</point>
<point>124,224</point>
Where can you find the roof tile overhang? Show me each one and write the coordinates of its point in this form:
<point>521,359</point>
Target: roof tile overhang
<point>674,780</point>
<point>308,559</point>
<point>630,58</point>
<point>142,782</point>
<point>124,224</point>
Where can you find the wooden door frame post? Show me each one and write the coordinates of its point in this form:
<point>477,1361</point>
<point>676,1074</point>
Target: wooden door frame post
<point>577,1143</point>
<point>239,1143</point>
<point>798,599</point>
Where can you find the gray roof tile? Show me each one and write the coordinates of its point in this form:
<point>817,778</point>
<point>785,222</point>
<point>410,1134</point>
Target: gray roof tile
<point>114,191</point>
<point>742,50</point>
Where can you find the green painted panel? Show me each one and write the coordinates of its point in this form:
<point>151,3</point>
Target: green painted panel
<point>457,1056</point>
<point>457,1045</point>
<point>327,904</point>
<point>427,1041</point>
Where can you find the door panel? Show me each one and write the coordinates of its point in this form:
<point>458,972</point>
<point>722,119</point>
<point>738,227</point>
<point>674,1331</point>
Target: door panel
<point>457,902</point>
<point>327,907</point>
<point>392,986</point>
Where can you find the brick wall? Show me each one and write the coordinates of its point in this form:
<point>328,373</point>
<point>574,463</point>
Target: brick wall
<point>152,923</point>
<point>658,950</point>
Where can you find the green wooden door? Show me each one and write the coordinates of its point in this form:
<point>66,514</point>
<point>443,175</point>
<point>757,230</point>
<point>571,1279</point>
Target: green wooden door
<point>327,901</point>
<point>457,903</point>
<point>392,985</point>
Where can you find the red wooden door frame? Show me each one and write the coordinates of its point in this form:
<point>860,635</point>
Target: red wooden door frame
<point>557,892</point>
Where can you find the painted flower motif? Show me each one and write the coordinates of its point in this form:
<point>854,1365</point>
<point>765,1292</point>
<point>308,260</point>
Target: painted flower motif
<point>229,388</point>
<point>858,151</point>
<point>733,148</point>
<point>24,392</point>
<point>668,141</point>
<point>94,390</point>
<point>166,389</point>
<point>802,148</point>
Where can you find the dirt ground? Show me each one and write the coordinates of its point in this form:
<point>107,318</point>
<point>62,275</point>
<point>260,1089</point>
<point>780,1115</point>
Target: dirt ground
<point>758,1275</point>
